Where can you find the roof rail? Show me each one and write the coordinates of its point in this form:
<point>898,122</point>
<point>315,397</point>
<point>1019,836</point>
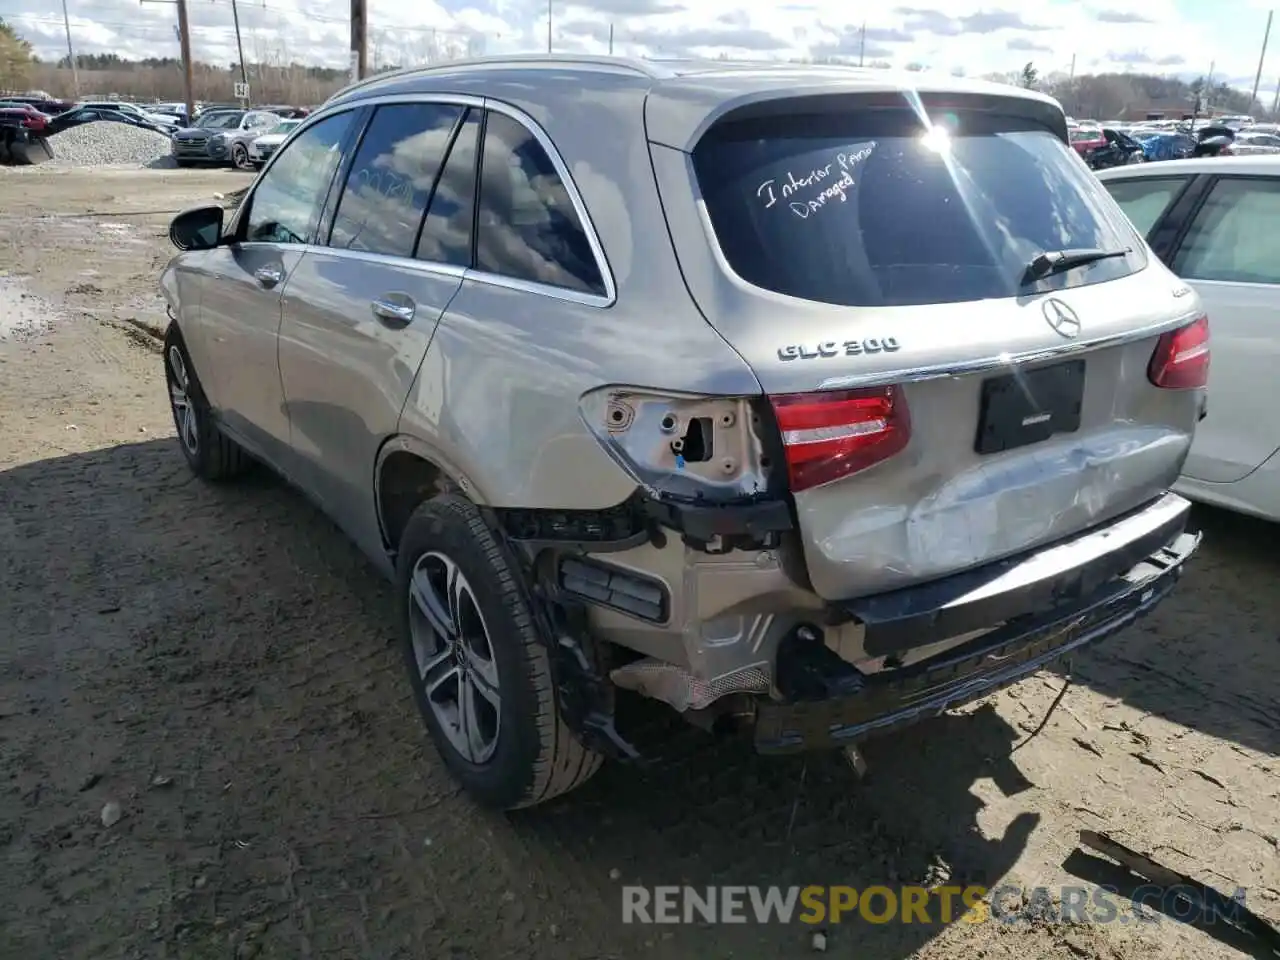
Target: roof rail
<point>498,60</point>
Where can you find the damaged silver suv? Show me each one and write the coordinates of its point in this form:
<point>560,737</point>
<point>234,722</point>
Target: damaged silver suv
<point>811,401</point>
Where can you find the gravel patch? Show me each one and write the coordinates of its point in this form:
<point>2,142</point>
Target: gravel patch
<point>104,142</point>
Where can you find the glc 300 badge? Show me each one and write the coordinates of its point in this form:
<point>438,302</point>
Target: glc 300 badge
<point>834,348</point>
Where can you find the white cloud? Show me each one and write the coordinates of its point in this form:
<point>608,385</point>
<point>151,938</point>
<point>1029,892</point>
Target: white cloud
<point>975,36</point>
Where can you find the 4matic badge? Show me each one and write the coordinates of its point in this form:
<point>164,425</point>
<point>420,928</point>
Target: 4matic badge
<point>834,348</point>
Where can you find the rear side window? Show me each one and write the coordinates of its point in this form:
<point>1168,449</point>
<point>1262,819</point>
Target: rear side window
<point>528,228</point>
<point>868,208</point>
<point>1233,237</point>
<point>1145,199</point>
<point>391,178</point>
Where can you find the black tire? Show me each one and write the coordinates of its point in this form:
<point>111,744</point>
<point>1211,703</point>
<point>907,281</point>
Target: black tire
<point>240,156</point>
<point>209,452</point>
<point>535,756</point>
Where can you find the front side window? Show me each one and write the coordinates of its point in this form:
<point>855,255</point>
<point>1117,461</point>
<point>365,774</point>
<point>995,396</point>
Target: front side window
<point>285,207</point>
<point>1233,237</point>
<point>860,207</point>
<point>391,179</point>
<point>1145,199</point>
<point>528,227</point>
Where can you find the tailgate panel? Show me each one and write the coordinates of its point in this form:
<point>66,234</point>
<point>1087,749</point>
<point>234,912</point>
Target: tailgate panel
<point>940,506</point>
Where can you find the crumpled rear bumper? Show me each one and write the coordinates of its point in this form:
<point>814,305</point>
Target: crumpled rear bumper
<point>831,704</point>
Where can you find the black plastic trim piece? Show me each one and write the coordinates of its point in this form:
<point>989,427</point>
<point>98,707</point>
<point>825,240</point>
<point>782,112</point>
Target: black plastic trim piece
<point>723,527</point>
<point>716,528</point>
<point>917,616</point>
<point>876,703</point>
<point>609,586</point>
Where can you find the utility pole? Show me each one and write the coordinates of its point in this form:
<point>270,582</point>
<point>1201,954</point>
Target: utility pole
<point>1071,84</point>
<point>862,45</point>
<point>184,43</point>
<point>71,54</point>
<point>359,46</point>
<point>1275,104</point>
<point>244,74</point>
<point>611,39</point>
<point>548,26</point>
<point>1257,77</point>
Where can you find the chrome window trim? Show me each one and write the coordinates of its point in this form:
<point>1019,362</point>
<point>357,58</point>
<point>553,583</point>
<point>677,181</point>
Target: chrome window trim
<point>1006,361</point>
<point>607,299</point>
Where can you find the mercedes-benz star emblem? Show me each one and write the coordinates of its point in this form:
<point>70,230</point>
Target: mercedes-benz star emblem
<point>1061,317</point>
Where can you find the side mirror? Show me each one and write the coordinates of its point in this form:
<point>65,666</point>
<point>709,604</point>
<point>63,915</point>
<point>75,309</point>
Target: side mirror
<point>199,228</point>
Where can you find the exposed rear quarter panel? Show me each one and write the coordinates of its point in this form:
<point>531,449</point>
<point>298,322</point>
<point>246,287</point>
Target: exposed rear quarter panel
<point>497,395</point>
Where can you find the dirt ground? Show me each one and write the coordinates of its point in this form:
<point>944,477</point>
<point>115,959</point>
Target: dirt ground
<point>219,663</point>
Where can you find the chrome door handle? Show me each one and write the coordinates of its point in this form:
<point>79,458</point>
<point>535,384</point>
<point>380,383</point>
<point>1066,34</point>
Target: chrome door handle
<point>394,312</point>
<point>269,276</point>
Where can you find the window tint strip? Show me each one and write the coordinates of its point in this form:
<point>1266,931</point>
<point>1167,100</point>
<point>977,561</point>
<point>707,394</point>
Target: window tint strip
<point>475,206</point>
<point>458,126</point>
<point>363,117</point>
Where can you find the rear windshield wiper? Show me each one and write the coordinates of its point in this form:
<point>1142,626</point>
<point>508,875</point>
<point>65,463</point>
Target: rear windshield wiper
<point>1055,261</point>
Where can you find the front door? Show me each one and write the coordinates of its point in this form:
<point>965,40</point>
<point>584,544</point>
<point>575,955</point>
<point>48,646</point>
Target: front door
<point>248,279</point>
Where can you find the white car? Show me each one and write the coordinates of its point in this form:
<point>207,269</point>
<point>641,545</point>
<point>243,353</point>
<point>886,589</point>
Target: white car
<point>1249,143</point>
<point>1216,222</point>
<point>261,148</point>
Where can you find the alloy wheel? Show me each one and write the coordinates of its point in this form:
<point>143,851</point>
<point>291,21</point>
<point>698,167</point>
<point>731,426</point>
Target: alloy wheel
<point>454,657</point>
<point>184,412</point>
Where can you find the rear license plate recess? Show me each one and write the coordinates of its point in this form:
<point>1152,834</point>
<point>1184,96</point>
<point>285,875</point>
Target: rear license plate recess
<point>1029,406</point>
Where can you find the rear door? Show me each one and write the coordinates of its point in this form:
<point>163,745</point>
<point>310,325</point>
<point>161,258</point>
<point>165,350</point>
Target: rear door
<point>1230,253</point>
<point>996,408</point>
<point>361,311</point>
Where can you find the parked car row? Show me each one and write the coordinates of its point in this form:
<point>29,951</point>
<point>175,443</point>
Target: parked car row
<point>23,134</point>
<point>242,138</point>
<point>218,134</point>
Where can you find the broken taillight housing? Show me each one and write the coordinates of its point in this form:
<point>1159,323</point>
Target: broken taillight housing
<point>832,434</point>
<point>1181,358</point>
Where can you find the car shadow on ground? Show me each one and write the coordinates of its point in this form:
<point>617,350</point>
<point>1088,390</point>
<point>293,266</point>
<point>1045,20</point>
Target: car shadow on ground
<point>1182,663</point>
<point>713,814</point>
<point>242,645</point>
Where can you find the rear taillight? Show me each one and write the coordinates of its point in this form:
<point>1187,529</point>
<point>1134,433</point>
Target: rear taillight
<point>1181,360</point>
<point>33,123</point>
<point>833,434</point>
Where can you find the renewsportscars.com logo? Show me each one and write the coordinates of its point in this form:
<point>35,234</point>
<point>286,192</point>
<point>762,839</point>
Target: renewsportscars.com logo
<point>906,904</point>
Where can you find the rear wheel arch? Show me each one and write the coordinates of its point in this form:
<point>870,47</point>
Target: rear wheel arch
<point>407,474</point>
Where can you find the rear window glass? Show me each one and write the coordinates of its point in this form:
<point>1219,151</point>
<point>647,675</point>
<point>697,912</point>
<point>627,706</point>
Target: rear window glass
<point>868,208</point>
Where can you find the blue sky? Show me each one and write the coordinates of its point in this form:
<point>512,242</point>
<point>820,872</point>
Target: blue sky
<point>973,36</point>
